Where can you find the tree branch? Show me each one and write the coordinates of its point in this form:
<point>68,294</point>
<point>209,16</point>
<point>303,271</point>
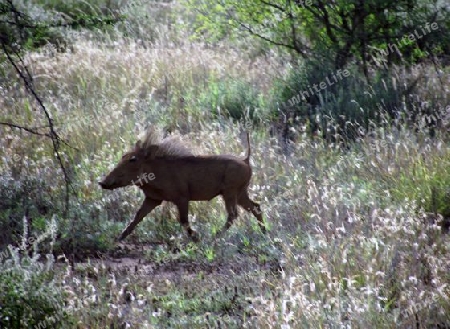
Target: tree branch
<point>294,46</point>
<point>29,130</point>
<point>52,134</point>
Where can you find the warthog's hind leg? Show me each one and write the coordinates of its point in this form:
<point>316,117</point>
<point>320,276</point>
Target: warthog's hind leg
<point>245,202</point>
<point>231,206</point>
<point>147,206</point>
<point>183,209</point>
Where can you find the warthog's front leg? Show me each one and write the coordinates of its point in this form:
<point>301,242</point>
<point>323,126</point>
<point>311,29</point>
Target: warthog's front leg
<point>147,206</point>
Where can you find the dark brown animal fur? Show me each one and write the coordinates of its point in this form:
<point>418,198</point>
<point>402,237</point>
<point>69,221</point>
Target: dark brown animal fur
<point>166,170</point>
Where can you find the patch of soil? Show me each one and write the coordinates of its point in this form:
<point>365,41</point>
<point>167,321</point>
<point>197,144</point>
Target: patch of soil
<point>127,258</point>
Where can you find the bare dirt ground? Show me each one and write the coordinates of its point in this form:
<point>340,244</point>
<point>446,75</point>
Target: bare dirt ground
<point>177,290</point>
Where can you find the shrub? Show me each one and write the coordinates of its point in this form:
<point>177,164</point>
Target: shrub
<point>19,198</point>
<point>139,26</point>
<point>30,295</point>
<point>42,22</point>
<point>339,103</point>
<point>233,98</point>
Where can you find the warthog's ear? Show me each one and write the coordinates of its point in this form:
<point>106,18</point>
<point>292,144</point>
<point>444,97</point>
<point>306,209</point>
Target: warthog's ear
<point>151,151</point>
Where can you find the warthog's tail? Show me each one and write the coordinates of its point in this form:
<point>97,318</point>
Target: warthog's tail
<point>247,159</point>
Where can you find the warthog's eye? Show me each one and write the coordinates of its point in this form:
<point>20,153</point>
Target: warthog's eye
<point>133,159</point>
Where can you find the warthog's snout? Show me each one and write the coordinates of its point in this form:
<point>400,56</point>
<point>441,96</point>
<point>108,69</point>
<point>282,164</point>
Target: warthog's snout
<point>107,185</point>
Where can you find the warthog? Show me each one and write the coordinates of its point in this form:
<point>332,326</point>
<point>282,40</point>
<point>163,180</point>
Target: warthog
<point>166,170</point>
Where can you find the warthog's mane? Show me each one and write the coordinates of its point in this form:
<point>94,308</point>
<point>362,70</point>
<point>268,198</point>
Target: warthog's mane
<point>171,146</point>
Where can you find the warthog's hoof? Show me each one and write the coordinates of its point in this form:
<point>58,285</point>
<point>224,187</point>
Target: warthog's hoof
<point>194,236</point>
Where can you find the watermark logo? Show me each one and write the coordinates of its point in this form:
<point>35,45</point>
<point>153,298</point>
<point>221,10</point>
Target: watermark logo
<point>317,87</point>
<point>410,38</point>
<point>145,177</point>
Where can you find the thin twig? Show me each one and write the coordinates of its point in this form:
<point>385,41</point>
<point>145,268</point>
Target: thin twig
<point>29,130</point>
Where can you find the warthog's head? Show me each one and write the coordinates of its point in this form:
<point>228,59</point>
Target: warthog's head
<point>127,172</point>
<point>130,169</point>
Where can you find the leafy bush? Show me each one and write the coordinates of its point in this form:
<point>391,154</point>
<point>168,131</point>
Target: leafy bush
<point>30,295</point>
<point>25,33</point>
<point>83,232</point>
<point>86,233</point>
<point>19,198</point>
<point>40,22</point>
<point>138,24</point>
<point>341,103</point>
<point>234,98</point>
